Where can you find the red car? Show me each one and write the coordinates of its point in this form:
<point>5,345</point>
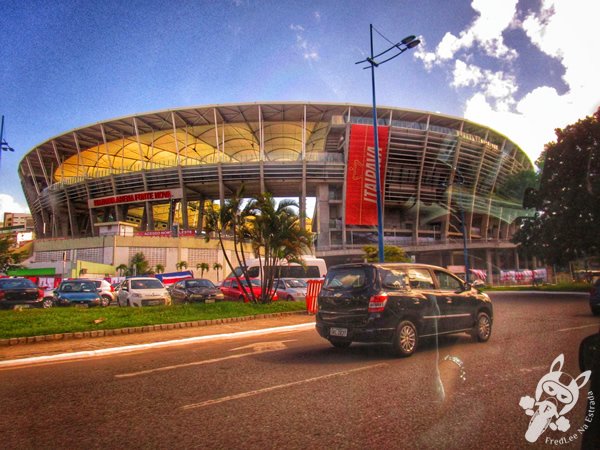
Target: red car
<point>232,291</point>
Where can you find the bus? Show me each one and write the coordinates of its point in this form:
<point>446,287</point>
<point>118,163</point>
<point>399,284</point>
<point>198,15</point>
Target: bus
<point>314,268</point>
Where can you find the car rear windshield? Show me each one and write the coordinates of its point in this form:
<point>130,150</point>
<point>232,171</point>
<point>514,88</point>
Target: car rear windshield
<point>16,283</point>
<point>78,286</point>
<point>199,283</point>
<point>146,284</point>
<point>345,278</point>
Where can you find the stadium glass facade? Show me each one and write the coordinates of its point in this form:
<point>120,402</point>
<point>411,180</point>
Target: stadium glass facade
<point>155,171</point>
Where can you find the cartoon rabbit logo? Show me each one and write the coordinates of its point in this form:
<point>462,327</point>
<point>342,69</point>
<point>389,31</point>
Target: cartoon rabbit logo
<point>556,394</point>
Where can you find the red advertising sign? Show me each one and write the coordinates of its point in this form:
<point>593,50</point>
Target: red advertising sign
<point>361,185</point>
<point>135,197</point>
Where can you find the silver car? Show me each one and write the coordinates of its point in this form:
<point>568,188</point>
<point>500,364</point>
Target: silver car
<point>292,289</point>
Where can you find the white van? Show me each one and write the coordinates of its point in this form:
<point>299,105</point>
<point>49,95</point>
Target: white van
<point>315,268</point>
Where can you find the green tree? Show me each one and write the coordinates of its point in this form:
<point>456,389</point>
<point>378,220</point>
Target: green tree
<point>181,265</point>
<point>565,226</point>
<point>277,235</point>
<point>139,264</point>
<point>203,267</point>
<point>229,221</point>
<point>160,268</point>
<point>122,269</point>
<point>8,260</point>
<point>391,253</point>
<point>272,229</point>
<point>216,266</point>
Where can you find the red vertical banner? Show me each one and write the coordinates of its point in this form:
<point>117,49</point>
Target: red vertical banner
<point>361,184</point>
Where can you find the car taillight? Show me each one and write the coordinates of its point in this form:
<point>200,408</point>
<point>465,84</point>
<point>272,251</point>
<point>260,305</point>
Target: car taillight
<point>112,289</point>
<point>377,303</point>
<point>40,293</point>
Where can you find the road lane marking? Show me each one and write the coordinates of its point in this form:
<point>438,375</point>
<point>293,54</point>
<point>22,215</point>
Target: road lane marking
<point>258,350</point>
<point>279,386</point>
<point>579,328</point>
<point>11,363</point>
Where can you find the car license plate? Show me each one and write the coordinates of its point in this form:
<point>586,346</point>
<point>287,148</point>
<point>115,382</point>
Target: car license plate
<point>341,332</point>
<point>209,300</point>
<point>153,302</point>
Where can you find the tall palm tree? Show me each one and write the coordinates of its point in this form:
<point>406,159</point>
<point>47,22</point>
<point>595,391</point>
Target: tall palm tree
<point>181,265</point>
<point>231,219</point>
<point>276,233</point>
<point>122,268</point>
<point>203,267</point>
<point>216,266</point>
<point>160,268</point>
<point>139,263</point>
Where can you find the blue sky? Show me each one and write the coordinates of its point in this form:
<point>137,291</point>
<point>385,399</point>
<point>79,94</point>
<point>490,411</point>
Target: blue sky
<point>523,67</point>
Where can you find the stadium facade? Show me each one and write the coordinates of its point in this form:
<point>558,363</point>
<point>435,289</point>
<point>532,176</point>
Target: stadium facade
<point>155,170</point>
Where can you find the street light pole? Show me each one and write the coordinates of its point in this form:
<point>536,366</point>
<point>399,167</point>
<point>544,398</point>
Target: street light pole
<point>406,44</point>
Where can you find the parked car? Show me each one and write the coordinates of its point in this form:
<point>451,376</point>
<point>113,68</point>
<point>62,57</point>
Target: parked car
<point>232,291</point>
<point>595,297</point>
<point>399,304</point>
<point>195,290</point>
<point>21,293</point>
<point>78,292</point>
<point>292,289</point>
<point>105,288</point>
<point>143,291</point>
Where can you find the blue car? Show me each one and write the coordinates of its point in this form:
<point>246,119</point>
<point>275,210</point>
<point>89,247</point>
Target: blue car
<point>78,293</point>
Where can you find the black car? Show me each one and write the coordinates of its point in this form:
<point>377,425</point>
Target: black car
<point>195,290</point>
<point>595,297</point>
<point>399,304</point>
<point>22,293</point>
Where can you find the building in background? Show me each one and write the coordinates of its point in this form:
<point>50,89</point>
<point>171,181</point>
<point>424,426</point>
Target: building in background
<point>103,192</point>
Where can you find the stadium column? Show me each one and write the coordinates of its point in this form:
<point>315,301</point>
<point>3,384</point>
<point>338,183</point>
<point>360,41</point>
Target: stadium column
<point>303,181</point>
<point>489,266</point>
<point>323,216</point>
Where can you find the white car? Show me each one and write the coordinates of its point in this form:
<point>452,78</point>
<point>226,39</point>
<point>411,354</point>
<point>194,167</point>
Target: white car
<point>143,291</point>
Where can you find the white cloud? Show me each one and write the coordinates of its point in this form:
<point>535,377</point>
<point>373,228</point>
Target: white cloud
<point>494,16</point>
<point>309,51</point>
<point>8,204</point>
<point>562,30</point>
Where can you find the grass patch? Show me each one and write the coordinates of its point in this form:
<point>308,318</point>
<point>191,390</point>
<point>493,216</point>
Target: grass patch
<point>560,287</point>
<point>37,322</point>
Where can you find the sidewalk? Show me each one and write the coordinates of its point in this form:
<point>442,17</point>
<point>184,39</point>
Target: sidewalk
<point>46,348</point>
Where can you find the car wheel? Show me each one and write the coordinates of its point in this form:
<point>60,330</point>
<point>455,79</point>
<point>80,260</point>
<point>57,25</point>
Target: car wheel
<point>406,339</point>
<point>290,298</point>
<point>483,328</point>
<point>104,302</point>
<point>241,298</point>
<point>47,303</point>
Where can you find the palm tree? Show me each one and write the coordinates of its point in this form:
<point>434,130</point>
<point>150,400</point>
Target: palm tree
<point>181,265</point>
<point>160,268</point>
<point>203,267</point>
<point>139,264</point>
<point>231,219</point>
<point>276,233</point>
<point>216,266</point>
<point>122,268</point>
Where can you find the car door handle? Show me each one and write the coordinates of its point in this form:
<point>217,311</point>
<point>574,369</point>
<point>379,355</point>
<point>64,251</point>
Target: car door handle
<point>448,299</point>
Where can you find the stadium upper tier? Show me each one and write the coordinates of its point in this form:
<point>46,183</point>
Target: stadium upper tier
<point>290,149</point>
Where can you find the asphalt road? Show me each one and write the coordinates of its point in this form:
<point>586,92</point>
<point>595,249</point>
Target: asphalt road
<point>293,390</point>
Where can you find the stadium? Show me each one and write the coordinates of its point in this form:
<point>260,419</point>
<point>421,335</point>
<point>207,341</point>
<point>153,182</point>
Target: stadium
<point>146,177</point>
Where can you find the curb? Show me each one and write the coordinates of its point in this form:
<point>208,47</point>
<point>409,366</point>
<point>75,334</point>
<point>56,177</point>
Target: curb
<point>140,329</point>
